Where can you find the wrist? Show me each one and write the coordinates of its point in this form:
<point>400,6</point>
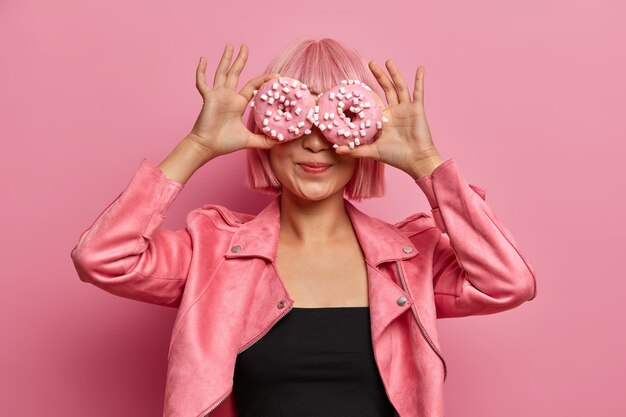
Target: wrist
<point>426,165</point>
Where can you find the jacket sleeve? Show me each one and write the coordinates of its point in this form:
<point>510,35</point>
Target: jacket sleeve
<point>126,253</point>
<point>478,267</point>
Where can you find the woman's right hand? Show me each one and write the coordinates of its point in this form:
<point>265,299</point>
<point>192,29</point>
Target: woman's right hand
<point>219,128</point>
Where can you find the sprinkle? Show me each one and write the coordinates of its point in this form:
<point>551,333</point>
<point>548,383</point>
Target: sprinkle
<point>362,115</point>
<point>347,133</point>
<point>340,132</point>
<point>335,146</point>
<point>325,116</point>
<point>275,86</point>
<point>340,104</point>
<point>268,113</point>
<point>307,131</point>
<point>342,90</point>
<point>339,95</point>
<point>270,100</point>
<point>251,103</point>
<point>351,144</point>
<point>322,127</point>
<point>286,102</point>
<point>266,122</point>
<point>294,84</point>
<point>281,99</point>
<point>263,97</point>
<point>379,125</point>
<point>286,89</point>
<point>335,122</point>
<point>344,82</point>
<point>254,92</point>
<point>317,109</point>
<point>357,141</point>
<point>288,116</point>
<point>329,126</point>
<point>349,96</point>
<point>280,136</point>
<point>355,133</point>
<point>298,111</point>
<point>355,101</point>
<point>298,94</point>
<point>303,86</point>
<point>331,96</point>
<point>332,116</point>
<point>367,105</point>
<point>277,117</point>
<point>300,124</point>
<point>266,129</point>
<point>277,94</point>
<point>362,125</point>
<point>310,113</point>
<point>368,123</point>
<point>273,133</point>
<point>350,81</point>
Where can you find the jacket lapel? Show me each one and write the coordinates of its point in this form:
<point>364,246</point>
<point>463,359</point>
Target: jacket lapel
<point>380,241</point>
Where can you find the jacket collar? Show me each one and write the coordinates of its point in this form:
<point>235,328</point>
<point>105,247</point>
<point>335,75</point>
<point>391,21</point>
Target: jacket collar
<point>380,241</point>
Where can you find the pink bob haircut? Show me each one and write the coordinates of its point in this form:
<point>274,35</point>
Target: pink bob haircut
<point>321,65</point>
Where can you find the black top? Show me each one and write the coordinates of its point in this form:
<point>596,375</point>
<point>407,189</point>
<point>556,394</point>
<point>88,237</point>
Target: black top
<point>314,362</point>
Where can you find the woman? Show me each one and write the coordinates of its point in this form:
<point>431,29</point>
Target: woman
<point>362,295</point>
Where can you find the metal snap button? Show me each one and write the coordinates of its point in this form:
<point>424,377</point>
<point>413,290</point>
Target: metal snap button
<point>281,304</point>
<point>401,300</point>
<point>235,248</point>
<point>407,249</point>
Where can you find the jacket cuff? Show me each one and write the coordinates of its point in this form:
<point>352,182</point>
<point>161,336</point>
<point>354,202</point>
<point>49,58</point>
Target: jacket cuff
<point>443,182</point>
<point>151,193</point>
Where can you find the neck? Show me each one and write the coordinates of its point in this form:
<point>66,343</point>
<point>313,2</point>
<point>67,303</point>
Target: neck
<point>313,222</point>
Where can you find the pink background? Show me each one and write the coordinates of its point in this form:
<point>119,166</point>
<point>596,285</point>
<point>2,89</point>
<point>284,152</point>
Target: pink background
<point>527,96</point>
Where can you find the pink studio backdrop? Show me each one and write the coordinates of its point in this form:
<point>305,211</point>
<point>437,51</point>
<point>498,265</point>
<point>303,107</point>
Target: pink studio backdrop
<point>527,96</point>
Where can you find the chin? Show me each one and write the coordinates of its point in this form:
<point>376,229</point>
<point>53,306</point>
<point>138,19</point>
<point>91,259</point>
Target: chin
<point>316,195</point>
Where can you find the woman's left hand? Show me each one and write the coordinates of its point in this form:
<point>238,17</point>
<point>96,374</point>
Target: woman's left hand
<point>405,141</point>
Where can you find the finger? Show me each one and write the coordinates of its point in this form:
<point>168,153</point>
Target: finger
<point>418,91</point>
<point>232,77</point>
<point>248,90</point>
<point>400,85</point>
<point>222,67</point>
<point>385,83</point>
<point>360,151</point>
<point>201,84</point>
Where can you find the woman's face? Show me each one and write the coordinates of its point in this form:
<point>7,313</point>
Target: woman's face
<point>294,164</point>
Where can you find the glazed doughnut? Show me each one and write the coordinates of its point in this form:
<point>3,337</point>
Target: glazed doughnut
<point>283,108</point>
<point>352,114</point>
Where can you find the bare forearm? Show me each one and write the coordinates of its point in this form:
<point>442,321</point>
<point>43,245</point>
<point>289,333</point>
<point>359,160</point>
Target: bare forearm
<point>186,158</point>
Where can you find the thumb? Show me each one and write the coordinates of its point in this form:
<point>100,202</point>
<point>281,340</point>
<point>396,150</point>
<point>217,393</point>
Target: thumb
<point>260,141</point>
<point>359,151</point>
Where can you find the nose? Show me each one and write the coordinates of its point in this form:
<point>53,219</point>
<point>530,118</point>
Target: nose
<point>315,141</point>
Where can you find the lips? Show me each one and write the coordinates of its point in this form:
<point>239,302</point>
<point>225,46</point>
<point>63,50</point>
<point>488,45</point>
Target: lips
<point>314,167</point>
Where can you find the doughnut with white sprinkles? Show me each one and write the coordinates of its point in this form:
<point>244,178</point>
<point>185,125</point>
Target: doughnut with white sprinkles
<point>350,113</point>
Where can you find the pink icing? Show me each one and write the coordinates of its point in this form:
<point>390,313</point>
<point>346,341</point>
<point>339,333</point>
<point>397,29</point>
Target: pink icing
<point>285,122</point>
<point>285,109</point>
<point>361,107</point>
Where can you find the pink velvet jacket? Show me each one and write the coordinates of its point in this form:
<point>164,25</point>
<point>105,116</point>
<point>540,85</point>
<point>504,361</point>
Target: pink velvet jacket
<point>220,272</point>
